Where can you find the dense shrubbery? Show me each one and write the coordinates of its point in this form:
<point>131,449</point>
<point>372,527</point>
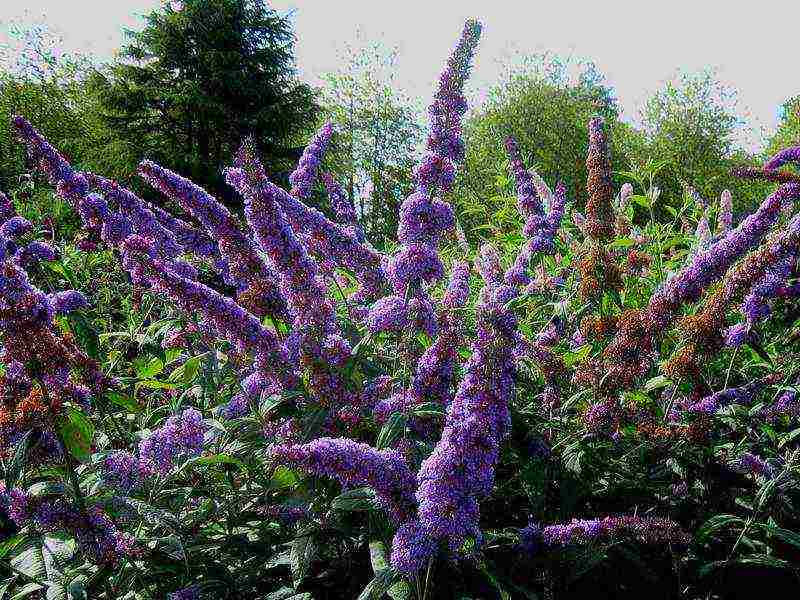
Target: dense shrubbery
<point>598,405</point>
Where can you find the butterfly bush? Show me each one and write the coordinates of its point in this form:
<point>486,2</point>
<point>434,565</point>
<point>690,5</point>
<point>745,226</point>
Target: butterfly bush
<point>316,338</point>
<point>577,368</point>
<point>255,279</point>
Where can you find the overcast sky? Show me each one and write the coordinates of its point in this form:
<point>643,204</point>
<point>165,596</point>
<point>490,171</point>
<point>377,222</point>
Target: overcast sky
<point>637,44</point>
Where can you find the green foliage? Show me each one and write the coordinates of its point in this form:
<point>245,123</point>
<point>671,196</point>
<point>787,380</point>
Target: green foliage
<point>547,112</point>
<point>690,126</point>
<point>378,131</point>
<point>189,87</point>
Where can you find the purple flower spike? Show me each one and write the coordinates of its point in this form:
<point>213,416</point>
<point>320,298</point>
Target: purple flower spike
<point>315,315</point>
<point>71,186</point>
<point>335,244</point>
<point>240,252</point>
<point>725,216</point>
<point>34,253</point>
<point>67,301</point>
<point>354,464</point>
<point>224,315</point>
<point>423,217</point>
<point>179,438</point>
<point>6,208</point>
<point>712,262</point>
<point>712,404</point>
<point>788,155</point>
<point>342,205</point>
<point>528,201</point>
<point>460,470</point>
<point>303,177</point>
<point>412,548</point>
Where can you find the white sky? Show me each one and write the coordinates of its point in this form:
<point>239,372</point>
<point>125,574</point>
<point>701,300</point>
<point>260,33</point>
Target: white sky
<point>637,44</point>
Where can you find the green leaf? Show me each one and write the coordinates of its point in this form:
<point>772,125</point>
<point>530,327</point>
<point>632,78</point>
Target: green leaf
<point>6,546</point>
<point>622,243</point>
<point>357,500</point>
<point>14,471</point>
<point>124,401</point>
<point>287,593</point>
<point>786,535</point>
<point>30,562</point>
<point>391,431</point>
<point>428,409</point>
<point>187,372</point>
<point>643,201</point>
<point>282,478</point>
<point>148,369</point>
<point>26,590</point>
<point>379,558</point>
<point>380,585</point>
<point>217,459</point>
<point>302,554</point>
<point>716,523</point>
<point>77,432</point>
<point>659,381</point>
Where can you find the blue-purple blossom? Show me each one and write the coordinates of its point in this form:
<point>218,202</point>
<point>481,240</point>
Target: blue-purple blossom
<point>725,215</point>
<point>646,530</point>
<point>711,262</point>
<point>460,470</point>
<point>70,186</point>
<point>412,548</point>
<point>354,464</point>
<point>423,217</point>
<point>315,334</point>
<point>121,470</point>
<point>528,201</point>
<point>180,437</point>
<point>224,315</point>
<point>67,301</point>
<point>191,592</point>
<point>303,177</point>
<point>35,252</point>
<point>342,205</point>
<point>143,220</point>
<point>788,155</point>
<point>96,534</point>
<point>718,400</point>
<point>257,281</point>
<point>752,464</point>
<point>6,208</point>
<point>333,243</point>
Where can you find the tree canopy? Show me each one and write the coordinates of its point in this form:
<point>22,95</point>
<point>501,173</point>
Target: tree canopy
<point>201,76</point>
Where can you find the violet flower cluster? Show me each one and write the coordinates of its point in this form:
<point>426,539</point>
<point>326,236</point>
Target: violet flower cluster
<point>788,155</point>
<point>224,315</point>
<point>540,229</point>
<point>712,262</point>
<point>757,304</point>
<point>460,470</point>
<point>424,218</point>
<point>303,177</point>
<point>336,244</point>
<point>180,437</point>
<point>342,205</point>
<point>316,339</point>
<point>645,530</point>
<point>713,403</point>
<point>96,534</point>
<point>435,372</point>
<point>753,464</point>
<point>254,277</point>
<point>725,214</point>
<point>354,464</point>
